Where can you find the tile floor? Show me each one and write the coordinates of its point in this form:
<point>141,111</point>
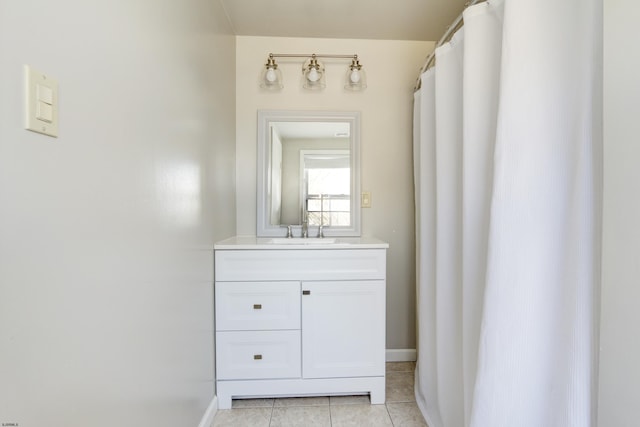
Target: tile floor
<point>335,411</point>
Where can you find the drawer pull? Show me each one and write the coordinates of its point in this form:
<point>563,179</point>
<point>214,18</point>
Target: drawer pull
<point>306,292</point>
<point>257,357</point>
<point>257,306</point>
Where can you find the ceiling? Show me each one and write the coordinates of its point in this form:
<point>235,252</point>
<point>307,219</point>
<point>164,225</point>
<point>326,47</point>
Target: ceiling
<point>425,20</point>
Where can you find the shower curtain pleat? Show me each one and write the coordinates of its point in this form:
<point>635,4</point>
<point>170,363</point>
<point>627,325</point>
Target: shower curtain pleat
<point>448,308</point>
<point>507,154</point>
<point>481,87</point>
<point>425,181</point>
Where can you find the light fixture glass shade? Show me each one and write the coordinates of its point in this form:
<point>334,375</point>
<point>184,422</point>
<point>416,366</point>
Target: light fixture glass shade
<point>313,74</point>
<point>356,78</point>
<point>271,77</point>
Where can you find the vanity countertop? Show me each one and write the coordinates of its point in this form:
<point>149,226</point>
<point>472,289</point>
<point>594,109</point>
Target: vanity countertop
<point>279,243</point>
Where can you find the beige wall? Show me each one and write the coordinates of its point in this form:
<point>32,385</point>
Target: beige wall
<point>619,398</point>
<point>386,145</point>
<point>106,233</point>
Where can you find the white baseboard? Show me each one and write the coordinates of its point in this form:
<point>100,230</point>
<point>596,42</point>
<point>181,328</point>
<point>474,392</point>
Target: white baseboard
<point>209,415</point>
<point>401,355</point>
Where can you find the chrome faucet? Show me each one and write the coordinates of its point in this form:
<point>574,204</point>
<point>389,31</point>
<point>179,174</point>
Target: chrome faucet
<point>320,227</point>
<point>305,229</point>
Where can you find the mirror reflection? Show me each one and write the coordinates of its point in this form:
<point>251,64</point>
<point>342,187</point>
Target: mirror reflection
<point>308,173</point>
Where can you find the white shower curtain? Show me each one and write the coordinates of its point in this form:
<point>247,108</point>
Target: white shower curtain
<point>507,154</point>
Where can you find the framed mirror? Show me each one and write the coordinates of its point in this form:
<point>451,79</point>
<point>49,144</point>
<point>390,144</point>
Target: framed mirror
<point>308,170</point>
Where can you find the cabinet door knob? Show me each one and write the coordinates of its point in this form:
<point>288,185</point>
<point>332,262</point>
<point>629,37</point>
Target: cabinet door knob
<point>257,357</point>
<point>306,292</point>
<point>257,306</point>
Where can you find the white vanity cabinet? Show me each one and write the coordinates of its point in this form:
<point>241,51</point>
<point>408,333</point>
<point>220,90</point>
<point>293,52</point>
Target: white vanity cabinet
<point>299,321</point>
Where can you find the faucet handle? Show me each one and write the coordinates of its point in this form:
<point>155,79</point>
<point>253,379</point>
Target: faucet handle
<point>321,230</point>
<point>289,231</point>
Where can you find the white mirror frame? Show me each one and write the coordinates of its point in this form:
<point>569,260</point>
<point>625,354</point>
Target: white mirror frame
<point>265,117</point>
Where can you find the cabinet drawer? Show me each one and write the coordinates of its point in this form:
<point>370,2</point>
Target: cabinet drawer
<point>258,355</point>
<point>246,306</point>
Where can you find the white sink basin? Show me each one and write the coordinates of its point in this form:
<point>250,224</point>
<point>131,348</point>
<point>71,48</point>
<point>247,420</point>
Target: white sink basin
<point>302,241</point>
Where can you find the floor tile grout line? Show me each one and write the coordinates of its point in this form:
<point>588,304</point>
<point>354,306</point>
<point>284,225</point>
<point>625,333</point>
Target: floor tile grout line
<point>330,417</point>
<point>389,413</point>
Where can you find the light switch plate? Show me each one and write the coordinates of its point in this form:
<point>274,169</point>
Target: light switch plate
<point>41,102</point>
<point>366,199</point>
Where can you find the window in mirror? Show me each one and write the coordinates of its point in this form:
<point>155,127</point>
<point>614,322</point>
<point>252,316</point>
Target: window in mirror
<point>327,187</point>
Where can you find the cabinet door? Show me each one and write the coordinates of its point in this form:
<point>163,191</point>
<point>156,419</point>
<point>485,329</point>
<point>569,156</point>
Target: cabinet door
<point>343,329</point>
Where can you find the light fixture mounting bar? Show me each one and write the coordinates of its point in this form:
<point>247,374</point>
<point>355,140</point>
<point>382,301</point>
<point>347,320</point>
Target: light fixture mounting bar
<point>308,55</point>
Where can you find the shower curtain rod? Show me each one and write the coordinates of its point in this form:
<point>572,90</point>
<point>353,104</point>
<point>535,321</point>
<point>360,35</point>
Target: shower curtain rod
<point>457,23</point>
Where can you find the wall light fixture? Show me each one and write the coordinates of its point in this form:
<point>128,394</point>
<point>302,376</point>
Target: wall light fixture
<point>313,72</point>
<point>271,77</point>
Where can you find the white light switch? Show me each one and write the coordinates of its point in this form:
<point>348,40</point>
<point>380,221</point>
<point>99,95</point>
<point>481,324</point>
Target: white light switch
<point>44,112</point>
<point>366,199</point>
<point>41,101</point>
<point>45,94</point>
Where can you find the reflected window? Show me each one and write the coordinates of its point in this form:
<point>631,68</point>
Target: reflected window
<point>326,187</point>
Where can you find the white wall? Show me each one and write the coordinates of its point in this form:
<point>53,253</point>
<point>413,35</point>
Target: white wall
<point>106,232</point>
<point>619,398</point>
<point>386,145</point>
